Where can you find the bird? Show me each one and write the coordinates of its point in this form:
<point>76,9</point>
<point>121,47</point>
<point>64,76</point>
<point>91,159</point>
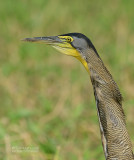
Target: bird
<point>114,135</point>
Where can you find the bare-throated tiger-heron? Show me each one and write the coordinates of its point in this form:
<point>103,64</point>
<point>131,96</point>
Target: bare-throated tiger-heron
<point>115,139</point>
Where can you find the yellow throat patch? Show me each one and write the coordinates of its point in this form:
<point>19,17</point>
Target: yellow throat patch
<point>66,48</point>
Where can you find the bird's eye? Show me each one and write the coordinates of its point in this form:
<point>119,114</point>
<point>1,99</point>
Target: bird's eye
<point>69,39</point>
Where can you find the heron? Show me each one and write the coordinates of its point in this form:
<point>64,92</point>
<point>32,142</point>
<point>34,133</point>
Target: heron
<point>114,135</point>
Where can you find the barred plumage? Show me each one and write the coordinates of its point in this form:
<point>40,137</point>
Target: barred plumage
<point>115,138</point>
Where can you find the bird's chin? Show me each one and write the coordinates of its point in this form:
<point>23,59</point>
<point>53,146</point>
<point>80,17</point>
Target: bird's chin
<point>66,50</point>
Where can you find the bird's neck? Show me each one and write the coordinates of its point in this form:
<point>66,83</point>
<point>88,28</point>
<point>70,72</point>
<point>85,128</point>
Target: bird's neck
<point>115,138</point>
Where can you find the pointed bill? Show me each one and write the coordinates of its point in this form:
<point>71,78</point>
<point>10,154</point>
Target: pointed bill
<point>46,40</point>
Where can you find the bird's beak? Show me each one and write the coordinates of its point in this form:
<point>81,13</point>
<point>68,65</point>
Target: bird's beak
<point>51,40</point>
<point>55,41</point>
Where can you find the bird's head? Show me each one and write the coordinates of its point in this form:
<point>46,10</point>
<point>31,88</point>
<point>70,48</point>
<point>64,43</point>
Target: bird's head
<point>73,44</point>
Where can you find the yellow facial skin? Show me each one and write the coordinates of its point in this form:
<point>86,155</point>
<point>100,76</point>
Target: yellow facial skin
<point>66,48</point>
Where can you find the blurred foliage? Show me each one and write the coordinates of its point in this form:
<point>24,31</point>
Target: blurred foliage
<point>46,98</point>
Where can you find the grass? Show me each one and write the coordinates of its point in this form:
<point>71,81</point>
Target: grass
<point>47,101</point>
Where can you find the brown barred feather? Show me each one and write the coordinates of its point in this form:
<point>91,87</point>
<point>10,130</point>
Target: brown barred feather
<point>115,138</point>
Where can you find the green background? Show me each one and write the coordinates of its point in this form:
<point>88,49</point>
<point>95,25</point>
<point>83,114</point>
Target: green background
<point>46,98</point>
